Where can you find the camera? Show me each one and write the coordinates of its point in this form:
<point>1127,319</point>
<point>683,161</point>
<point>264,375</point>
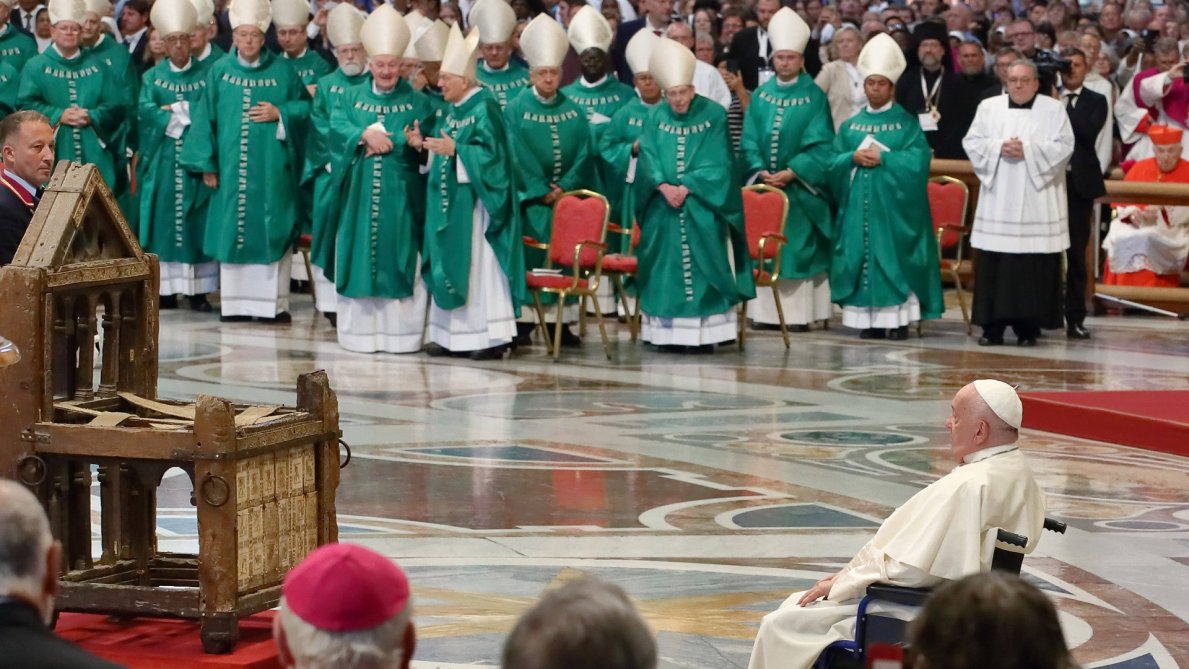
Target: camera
<point>1048,66</point>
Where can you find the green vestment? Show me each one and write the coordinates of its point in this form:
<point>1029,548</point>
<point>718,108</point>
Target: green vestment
<point>382,208</point>
<point>789,127</point>
<point>884,246</point>
<point>477,128</point>
<point>116,58</point>
<point>216,52</point>
<point>173,201</point>
<point>253,216</point>
<point>504,84</point>
<point>615,148</point>
<point>601,102</point>
<point>309,66</point>
<point>318,158</point>
<point>50,84</point>
<point>10,82</point>
<point>685,271</point>
<point>16,48</point>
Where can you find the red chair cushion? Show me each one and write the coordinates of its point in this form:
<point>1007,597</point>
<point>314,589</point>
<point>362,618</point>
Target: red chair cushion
<point>621,264</point>
<point>947,205</point>
<point>763,213</point>
<point>552,281</point>
<point>762,277</point>
<point>304,241</point>
<point>575,220</point>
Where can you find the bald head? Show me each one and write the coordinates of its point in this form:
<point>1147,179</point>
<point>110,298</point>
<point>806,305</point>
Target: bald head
<point>974,425</point>
<point>28,553</point>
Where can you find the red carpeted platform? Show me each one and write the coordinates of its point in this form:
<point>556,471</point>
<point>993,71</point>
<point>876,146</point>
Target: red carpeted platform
<point>1157,420</point>
<point>157,643</point>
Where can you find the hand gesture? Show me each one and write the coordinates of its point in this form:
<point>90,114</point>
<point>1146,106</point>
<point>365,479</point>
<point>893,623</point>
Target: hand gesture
<point>75,117</point>
<point>1013,149</point>
<point>378,142</point>
<point>443,146</point>
<point>820,590</point>
<point>868,157</point>
<point>778,179</point>
<point>264,112</point>
<point>413,135</point>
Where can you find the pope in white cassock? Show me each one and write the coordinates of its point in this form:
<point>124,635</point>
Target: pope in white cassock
<point>944,532</point>
<point>1019,145</point>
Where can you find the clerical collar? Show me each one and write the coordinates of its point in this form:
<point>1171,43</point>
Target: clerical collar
<point>206,51</point>
<point>379,91</point>
<point>879,110</point>
<point>102,36</point>
<point>644,102</point>
<point>495,69</point>
<point>59,52</point>
<point>587,84</point>
<point>184,68</point>
<point>468,95</point>
<point>3,30</point>
<point>985,453</point>
<point>786,84</point>
<point>300,55</point>
<point>542,98</point>
<point>1011,104</point>
<point>30,189</point>
<point>249,64</point>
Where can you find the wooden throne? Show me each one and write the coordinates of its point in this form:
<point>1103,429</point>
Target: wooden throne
<point>80,415</point>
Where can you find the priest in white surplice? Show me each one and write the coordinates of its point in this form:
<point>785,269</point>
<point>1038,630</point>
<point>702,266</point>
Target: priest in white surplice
<point>945,531</point>
<point>1019,145</point>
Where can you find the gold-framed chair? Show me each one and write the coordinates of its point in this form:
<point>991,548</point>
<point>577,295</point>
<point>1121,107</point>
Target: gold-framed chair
<point>765,211</point>
<point>577,242</point>
<point>949,207</point>
<point>616,266</point>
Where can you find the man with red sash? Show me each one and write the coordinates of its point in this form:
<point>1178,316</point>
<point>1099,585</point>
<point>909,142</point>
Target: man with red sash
<point>27,146</point>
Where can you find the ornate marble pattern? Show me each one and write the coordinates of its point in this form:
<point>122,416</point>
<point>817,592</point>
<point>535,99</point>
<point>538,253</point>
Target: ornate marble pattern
<point>710,487</point>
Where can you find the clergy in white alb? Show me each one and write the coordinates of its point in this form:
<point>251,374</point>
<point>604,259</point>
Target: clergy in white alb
<point>943,532</point>
<point>1019,145</point>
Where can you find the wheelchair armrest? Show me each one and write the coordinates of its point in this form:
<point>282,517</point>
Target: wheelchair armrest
<point>898,594</point>
<point>1012,538</point>
<point>1054,525</point>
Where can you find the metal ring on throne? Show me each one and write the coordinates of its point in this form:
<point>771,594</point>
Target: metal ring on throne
<point>344,463</point>
<point>210,495</point>
<point>31,462</point>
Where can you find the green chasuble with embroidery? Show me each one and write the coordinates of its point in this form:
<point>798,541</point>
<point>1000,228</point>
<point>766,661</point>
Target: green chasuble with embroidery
<point>172,200</point>
<point>615,149</point>
<point>16,48</point>
<point>117,60</point>
<point>50,84</point>
<point>477,128</point>
<point>884,244</point>
<point>601,102</point>
<point>382,207</point>
<point>550,144</point>
<point>504,84</point>
<point>253,216</point>
<point>310,66</point>
<point>789,127</point>
<point>685,271</point>
<point>10,81</point>
<point>317,160</point>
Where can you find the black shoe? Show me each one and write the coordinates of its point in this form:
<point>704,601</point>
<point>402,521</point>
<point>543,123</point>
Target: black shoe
<point>898,334</point>
<point>1077,331</point>
<point>493,353</point>
<point>1026,341</point>
<point>436,350</point>
<point>703,349</point>
<point>296,286</point>
<point>234,319</point>
<point>765,327</point>
<point>670,348</point>
<point>200,303</point>
<point>873,333</point>
<point>800,327</point>
<point>524,335</point>
<point>168,302</point>
<point>280,319</point>
<point>332,317</point>
<point>729,342</point>
<point>569,339</point>
<point>990,341</point>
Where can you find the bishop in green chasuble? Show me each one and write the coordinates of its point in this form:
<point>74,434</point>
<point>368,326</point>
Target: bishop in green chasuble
<point>884,267</point>
<point>497,72</point>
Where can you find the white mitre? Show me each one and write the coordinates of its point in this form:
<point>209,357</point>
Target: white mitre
<point>639,50</point>
<point>788,31</point>
<point>495,19</point>
<point>544,43</point>
<point>289,13</point>
<point>173,16</point>
<point>416,22</point>
<point>462,54</point>
<point>67,10</point>
<point>343,24</point>
<point>1003,400</point>
<point>250,13</point>
<point>205,10</point>
<point>589,30</point>
<point>882,56</point>
<point>384,33</point>
<point>672,64</point>
<point>99,8</point>
<point>430,41</point>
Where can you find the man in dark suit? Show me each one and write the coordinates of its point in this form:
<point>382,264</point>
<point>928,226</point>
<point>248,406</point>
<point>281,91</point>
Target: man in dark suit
<point>22,15</point>
<point>657,14</point>
<point>27,150</point>
<point>752,50</point>
<point>134,26</point>
<point>937,95</point>
<point>1087,115</point>
<point>29,562</point>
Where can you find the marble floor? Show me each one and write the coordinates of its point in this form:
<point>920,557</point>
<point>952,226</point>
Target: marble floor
<point>711,486</point>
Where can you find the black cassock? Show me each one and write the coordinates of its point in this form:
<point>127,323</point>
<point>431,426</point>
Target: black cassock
<point>956,103</point>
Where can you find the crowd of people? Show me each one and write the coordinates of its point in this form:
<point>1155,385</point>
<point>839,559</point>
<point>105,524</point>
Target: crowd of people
<point>419,144</point>
<point>347,607</point>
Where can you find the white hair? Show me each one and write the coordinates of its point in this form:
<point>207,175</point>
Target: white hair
<point>24,541</point>
<point>380,647</point>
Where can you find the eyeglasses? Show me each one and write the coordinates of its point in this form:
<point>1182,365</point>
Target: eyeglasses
<point>177,40</point>
<point>1020,80</point>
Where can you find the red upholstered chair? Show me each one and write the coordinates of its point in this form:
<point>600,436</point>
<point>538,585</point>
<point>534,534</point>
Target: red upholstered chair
<point>765,210</point>
<point>577,244</point>
<point>303,245</point>
<point>949,203</point>
<point>618,265</point>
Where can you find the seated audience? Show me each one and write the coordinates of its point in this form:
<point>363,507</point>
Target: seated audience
<point>585,624</point>
<point>345,607</point>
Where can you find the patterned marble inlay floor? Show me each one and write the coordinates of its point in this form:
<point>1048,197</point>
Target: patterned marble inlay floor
<point>710,487</point>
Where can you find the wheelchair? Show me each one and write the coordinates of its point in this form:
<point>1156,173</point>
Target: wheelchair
<point>876,629</point>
